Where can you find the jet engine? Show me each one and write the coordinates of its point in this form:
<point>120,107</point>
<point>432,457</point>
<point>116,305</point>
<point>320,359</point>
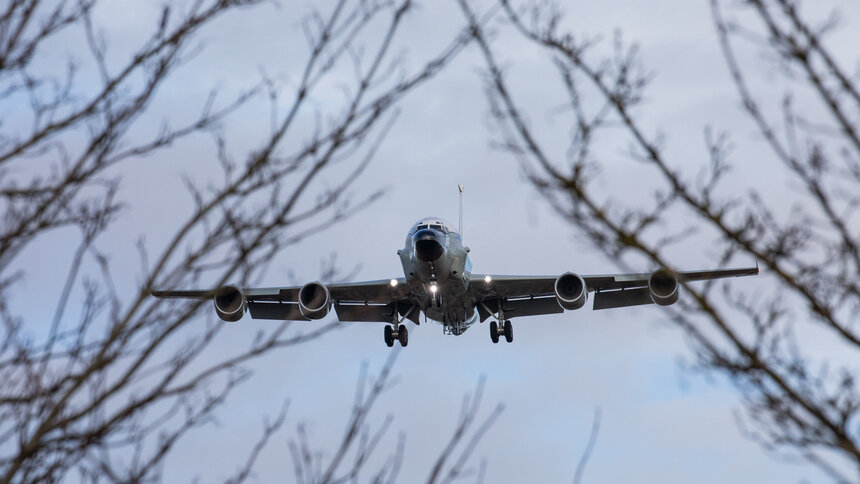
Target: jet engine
<point>663,286</point>
<point>314,300</point>
<point>570,291</point>
<point>230,303</point>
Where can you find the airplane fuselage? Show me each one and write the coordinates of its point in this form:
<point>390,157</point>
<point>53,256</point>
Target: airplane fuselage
<point>437,269</point>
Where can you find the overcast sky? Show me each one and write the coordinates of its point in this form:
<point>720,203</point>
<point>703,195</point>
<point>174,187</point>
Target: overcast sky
<point>659,423</point>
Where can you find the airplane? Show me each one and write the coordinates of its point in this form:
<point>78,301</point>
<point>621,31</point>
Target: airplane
<point>438,281</point>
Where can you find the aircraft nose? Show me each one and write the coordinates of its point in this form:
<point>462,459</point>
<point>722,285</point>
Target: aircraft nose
<point>428,245</point>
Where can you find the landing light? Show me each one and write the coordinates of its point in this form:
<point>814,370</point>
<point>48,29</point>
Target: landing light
<point>394,283</point>
<point>487,279</point>
<point>433,288</point>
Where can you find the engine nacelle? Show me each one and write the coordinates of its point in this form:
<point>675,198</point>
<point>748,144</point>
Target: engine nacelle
<point>570,291</point>
<point>230,303</point>
<point>663,286</point>
<point>314,300</point>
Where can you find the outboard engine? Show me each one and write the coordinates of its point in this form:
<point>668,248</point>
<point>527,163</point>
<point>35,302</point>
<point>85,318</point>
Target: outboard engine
<point>570,291</point>
<point>663,286</point>
<point>230,303</point>
<point>314,300</point>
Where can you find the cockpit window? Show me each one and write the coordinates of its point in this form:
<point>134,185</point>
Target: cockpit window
<point>440,226</point>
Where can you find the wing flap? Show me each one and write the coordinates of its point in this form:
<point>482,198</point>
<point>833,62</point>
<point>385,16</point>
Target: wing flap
<point>275,310</point>
<point>532,307</point>
<point>520,307</point>
<point>490,287</point>
<point>381,291</point>
<point>379,313</point>
<point>622,298</point>
<point>184,294</point>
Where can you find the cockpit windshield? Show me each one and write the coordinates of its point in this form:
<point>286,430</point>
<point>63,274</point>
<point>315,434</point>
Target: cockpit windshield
<point>432,224</point>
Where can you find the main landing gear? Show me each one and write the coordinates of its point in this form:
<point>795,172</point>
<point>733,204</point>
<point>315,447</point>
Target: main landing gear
<point>505,328</point>
<point>502,327</point>
<point>397,332</point>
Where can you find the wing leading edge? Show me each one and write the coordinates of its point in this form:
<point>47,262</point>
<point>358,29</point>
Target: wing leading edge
<point>370,301</point>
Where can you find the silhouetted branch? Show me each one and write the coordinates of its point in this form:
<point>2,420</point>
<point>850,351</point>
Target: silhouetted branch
<point>107,394</point>
<point>800,401</point>
<point>586,454</point>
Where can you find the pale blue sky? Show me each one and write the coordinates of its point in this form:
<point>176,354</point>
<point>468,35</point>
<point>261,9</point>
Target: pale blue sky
<point>659,424</point>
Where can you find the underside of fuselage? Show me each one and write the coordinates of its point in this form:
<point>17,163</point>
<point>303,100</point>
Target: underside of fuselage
<point>452,323</point>
<point>445,301</point>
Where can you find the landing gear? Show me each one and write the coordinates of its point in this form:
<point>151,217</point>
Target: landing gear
<point>403,336</point>
<point>399,333</point>
<point>501,328</point>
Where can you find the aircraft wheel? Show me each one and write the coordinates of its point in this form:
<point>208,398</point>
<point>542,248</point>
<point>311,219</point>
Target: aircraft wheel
<point>509,331</point>
<point>389,336</point>
<point>494,331</point>
<point>403,335</point>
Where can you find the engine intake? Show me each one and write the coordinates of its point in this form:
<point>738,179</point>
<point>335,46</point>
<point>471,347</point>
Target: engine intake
<point>314,300</point>
<point>230,303</point>
<point>570,291</point>
<point>663,286</point>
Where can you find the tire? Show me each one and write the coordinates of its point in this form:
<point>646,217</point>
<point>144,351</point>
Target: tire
<point>494,331</point>
<point>509,331</point>
<point>403,335</point>
<point>389,337</point>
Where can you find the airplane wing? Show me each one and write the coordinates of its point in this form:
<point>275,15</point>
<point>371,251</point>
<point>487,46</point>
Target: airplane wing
<point>354,301</point>
<point>534,295</point>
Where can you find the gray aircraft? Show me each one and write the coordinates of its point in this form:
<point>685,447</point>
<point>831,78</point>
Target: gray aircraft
<point>438,281</point>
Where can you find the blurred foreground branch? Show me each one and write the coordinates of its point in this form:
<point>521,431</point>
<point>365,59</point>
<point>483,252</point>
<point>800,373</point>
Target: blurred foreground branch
<point>107,393</point>
<point>802,402</point>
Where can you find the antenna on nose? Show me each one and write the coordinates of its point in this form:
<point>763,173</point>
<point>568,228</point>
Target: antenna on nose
<point>460,187</point>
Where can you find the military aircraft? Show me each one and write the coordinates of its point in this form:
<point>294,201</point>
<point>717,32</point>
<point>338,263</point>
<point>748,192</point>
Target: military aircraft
<point>439,282</point>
